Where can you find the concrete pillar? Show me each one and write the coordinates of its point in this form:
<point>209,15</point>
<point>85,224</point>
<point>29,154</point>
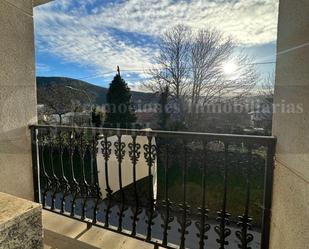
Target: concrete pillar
<point>17,96</point>
<point>290,212</point>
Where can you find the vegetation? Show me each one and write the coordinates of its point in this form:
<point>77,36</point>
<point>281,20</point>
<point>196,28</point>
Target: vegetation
<point>192,64</point>
<point>97,117</point>
<point>266,92</point>
<point>120,111</point>
<point>60,100</point>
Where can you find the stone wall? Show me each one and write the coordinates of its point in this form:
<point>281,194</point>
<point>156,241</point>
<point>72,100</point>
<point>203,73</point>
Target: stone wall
<point>20,223</point>
<point>290,212</point>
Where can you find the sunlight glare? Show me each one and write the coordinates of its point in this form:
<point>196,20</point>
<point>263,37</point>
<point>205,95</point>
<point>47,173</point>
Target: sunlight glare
<point>229,68</point>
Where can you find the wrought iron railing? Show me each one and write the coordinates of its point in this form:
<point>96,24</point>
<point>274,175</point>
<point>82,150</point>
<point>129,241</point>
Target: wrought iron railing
<point>208,190</point>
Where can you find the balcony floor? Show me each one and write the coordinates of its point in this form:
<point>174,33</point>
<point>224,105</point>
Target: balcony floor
<point>64,233</point>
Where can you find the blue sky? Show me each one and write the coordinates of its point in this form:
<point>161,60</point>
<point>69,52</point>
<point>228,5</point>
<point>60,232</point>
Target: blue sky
<point>87,39</point>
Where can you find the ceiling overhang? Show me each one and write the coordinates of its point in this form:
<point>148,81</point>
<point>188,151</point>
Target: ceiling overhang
<point>40,2</point>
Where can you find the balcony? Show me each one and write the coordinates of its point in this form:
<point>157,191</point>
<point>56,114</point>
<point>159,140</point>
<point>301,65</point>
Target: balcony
<point>168,189</point>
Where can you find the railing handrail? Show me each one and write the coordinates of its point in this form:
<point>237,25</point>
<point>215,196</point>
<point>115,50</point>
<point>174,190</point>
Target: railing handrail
<point>213,136</point>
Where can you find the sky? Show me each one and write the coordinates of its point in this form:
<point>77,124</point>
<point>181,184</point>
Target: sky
<point>87,39</point>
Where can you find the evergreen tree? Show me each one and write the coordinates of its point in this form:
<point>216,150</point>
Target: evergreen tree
<point>120,111</point>
<point>96,117</point>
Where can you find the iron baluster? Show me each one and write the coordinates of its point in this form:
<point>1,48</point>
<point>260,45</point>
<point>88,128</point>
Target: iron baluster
<point>93,153</point>
<point>134,154</point>
<point>150,157</point>
<point>97,191</point>
<point>106,152</point>
<point>48,186</point>
<point>120,153</point>
<point>75,188</point>
<point>64,184</point>
<point>245,220</point>
<point>167,204</point>
<point>202,226</point>
<point>83,146</point>
<point>184,207</point>
<point>35,164</point>
<point>223,215</point>
<point>55,179</point>
<point>268,188</point>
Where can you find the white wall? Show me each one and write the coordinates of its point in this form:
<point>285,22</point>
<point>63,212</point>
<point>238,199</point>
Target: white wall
<point>290,212</point>
<point>126,166</point>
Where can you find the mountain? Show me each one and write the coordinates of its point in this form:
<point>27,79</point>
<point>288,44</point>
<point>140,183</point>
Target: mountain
<point>99,93</point>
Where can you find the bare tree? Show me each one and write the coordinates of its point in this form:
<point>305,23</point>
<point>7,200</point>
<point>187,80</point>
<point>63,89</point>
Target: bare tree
<point>266,91</point>
<point>262,107</point>
<point>59,100</point>
<point>209,52</point>
<point>172,64</point>
<point>192,66</point>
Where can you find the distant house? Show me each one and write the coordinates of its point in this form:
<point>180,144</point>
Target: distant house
<point>261,116</point>
<point>69,118</point>
<point>148,117</point>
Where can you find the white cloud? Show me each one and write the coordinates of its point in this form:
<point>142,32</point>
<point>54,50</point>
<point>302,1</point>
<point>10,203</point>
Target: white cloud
<point>63,35</point>
<point>68,29</point>
<point>42,68</point>
<point>248,21</point>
